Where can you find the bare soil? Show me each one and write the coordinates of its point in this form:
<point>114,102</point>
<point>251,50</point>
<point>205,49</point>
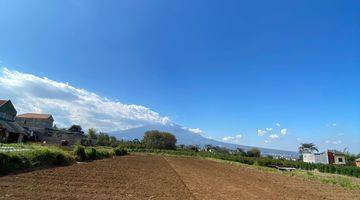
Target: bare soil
<point>158,177</point>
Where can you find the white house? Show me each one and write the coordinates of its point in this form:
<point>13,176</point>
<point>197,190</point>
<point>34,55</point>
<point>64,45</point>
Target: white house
<point>327,157</point>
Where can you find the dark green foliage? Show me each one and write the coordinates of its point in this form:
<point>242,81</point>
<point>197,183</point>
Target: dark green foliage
<point>159,140</point>
<point>91,154</point>
<point>307,147</point>
<point>254,152</point>
<point>75,128</point>
<point>103,139</point>
<point>113,141</point>
<point>119,151</point>
<point>87,154</point>
<point>79,151</point>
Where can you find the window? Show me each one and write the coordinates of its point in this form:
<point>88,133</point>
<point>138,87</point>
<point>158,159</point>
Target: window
<point>340,160</point>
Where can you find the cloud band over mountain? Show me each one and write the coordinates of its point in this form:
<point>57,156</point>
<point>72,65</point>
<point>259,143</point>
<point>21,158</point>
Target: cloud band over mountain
<point>71,105</point>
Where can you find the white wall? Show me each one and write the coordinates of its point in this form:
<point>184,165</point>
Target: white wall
<point>336,157</point>
<point>309,158</point>
<point>316,158</point>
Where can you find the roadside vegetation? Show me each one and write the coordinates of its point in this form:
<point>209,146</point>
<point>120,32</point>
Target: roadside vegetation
<point>17,157</point>
<point>26,157</point>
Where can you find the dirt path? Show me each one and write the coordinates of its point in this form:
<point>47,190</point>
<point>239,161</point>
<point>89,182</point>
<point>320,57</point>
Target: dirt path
<point>156,177</point>
<point>213,180</point>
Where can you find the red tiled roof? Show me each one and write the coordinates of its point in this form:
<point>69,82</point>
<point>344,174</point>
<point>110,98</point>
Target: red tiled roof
<point>3,101</point>
<point>34,116</point>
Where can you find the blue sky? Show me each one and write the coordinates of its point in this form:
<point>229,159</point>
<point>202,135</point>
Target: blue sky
<point>227,67</point>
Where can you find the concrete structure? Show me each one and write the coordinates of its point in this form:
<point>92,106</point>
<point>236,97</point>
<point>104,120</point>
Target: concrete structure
<point>327,157</point>
<point>35,122</point>
<point>10,131</point>
<point>357,162</point>
<point>316,158</point>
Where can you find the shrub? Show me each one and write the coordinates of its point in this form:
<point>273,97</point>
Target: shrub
<point>120,151</point>
<point>79,151</point>
<point>91,154</point>
<point>103,153</point>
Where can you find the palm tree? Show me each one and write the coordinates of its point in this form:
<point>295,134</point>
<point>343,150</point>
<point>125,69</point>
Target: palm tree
<point>308,148</point>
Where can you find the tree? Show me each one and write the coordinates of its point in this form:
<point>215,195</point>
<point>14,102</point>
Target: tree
<point>159,140</point>
<point>254,152</point>
<point>307,148</point>
<point>92,134</point>
<point>103,139</point>
<point>75,128</point>
<point>113,141</point>
<point>240,151</point>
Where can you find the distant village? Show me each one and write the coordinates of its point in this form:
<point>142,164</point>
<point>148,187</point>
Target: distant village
<point>40,127</point>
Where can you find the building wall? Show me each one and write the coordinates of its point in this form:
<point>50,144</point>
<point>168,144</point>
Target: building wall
<point>7,111</point>
<point>321,158</point>
<point>309,158</point>
<point>35,124</point>
<point>339,160</point>
<point>315,158</point>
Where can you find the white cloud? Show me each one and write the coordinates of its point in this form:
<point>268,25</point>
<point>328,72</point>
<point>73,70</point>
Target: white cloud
<point>333,124</point>
<point>298,139</point>
<point>274,136</point>
<point>70,105</point>
<point>278,124</point>
<point>228,138</point>
<point>283,131</point>
<point>269,129</point>
<point>336,142</point>
<point>261,132</point>
<point>194,130</point>
<point>233,139</point>
<point>327,141</point>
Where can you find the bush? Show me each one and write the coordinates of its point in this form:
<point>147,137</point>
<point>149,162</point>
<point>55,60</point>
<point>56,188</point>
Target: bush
<point>79,151</point>
<point>91,154</point>
<point>120,151</point>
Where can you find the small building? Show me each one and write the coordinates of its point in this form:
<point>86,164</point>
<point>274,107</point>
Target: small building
<point>327,157</point>
<point>35,122</point>
<point>357,162</point>
<point>336,157</point>
<point>10,131</point>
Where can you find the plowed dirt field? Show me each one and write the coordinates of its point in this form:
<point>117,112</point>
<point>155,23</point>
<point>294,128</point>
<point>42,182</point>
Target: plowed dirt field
<point>159,177</point>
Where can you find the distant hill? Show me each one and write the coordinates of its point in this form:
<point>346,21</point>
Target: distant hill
<point>187,137</point>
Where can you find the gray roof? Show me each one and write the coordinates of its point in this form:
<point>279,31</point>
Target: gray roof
<point>12,127</point>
